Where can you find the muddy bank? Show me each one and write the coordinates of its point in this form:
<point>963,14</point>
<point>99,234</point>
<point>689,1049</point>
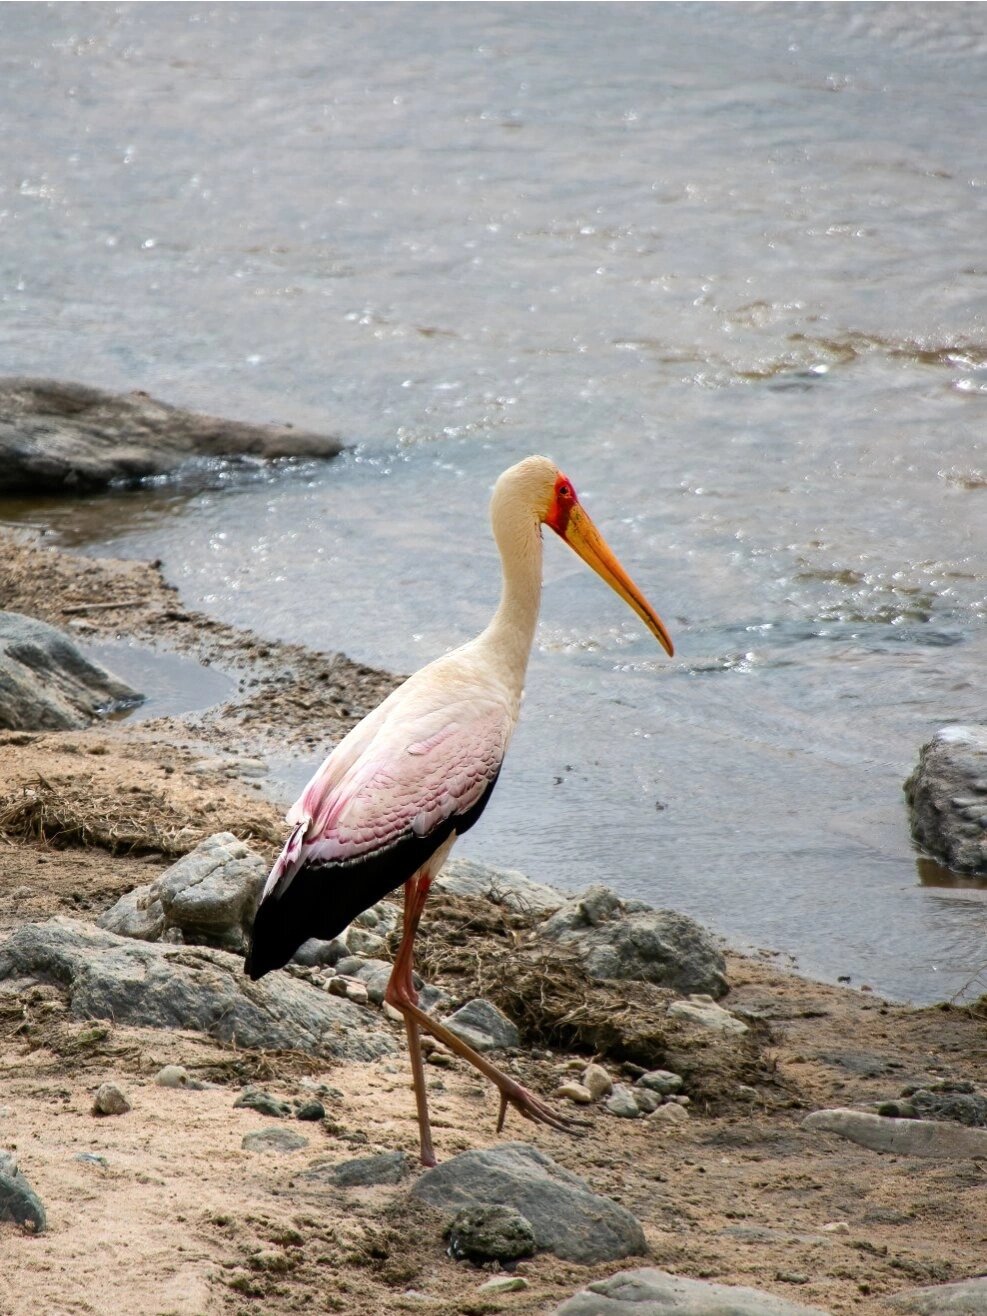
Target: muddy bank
<point>164,1206</point>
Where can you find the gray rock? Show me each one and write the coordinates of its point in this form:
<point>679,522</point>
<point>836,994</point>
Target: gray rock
<point>252,1098</point>
<point>490,1233</point>
<point>273,1139</point>
<point>19,1202</point>
<point>947,798</point>
<point>310,1111</point>
<point>660,1080</point>
<point>964,1107</point>
<point>363,1172</point>
<point>176,1076</point>
<point>903,1137</point>
<point>482,1026</point>
<point>621,1103</point>
<point>209,897</point>
<point>313,954</point>
<point>620,939</point>
<point>156,985</point>
<point>566,1216</point>
<point>503,886</point>
<point>110,1100</point>
<point>966,1298</point>
<point>648,1292</point>
<point>58,437</point>
<point>47,683</point>
<point>704,1011</point>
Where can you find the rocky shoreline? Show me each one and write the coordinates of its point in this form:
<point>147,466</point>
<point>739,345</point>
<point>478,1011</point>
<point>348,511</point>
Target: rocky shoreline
<point>175,1138</point>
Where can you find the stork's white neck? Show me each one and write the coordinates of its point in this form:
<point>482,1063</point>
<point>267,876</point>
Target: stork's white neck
<point>512,630</point>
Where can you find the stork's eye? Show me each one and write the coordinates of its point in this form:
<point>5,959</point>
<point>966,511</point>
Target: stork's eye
<point>564,491</point>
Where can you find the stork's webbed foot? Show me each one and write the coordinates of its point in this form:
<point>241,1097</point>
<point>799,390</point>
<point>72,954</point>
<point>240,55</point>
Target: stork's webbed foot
<point>526,1103</point>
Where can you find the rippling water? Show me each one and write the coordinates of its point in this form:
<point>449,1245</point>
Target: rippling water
<point>724,263</point>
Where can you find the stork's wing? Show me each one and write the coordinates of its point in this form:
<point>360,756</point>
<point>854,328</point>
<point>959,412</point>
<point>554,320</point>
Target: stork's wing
<point>368,822</point>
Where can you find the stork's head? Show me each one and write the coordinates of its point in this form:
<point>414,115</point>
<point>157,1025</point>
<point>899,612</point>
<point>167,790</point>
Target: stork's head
<point>537,485</point>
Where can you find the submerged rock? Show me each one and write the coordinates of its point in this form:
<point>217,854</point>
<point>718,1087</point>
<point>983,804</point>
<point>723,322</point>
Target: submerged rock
<point>567,1217</point>
<point>157,985</point>
<point>947,798</point>
<point>208,898</point>
<point>648,1292</point>
<point>58,437</point>
<point>628,939</point>
<point>47,683</point>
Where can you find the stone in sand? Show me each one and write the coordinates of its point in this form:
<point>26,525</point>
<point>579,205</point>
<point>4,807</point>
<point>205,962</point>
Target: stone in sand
<point>490,1233</point>
<point>968,1297</point>
<point>273,1139</point>
<point>48,684</point>
<point>110,1100</point>
<point>567,1217</point>
<point>59,437</point>
<point>19,1202</point>
<point>902,1137</point>
<point>363,1172</point>
<point>648,1292</point>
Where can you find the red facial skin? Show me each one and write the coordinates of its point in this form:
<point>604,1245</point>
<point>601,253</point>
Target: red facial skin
<point>563,501</point>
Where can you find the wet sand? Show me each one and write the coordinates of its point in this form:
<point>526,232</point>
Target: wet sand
<point>181,1219</point>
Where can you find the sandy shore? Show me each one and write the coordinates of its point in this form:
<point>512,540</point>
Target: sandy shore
<point>177,1217</point>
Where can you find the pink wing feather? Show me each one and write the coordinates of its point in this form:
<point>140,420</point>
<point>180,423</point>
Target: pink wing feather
<point>405,779</point>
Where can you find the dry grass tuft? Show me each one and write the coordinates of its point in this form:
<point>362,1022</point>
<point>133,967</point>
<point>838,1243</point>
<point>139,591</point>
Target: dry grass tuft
<point>81,813</point>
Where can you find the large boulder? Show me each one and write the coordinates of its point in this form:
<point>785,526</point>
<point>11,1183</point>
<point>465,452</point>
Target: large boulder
<point>157,985</point>
<point>614,938</point>
<point>207,898</point>
<point>648,1292</point>
<point>566,1216</point>
<point>47,683</point>
<point>947,798</point>
<point>58,437</point>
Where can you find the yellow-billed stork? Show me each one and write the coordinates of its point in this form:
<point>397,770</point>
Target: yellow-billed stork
<point>388,803</point>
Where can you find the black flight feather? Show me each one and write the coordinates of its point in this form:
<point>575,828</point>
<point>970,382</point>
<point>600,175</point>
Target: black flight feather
<point>321,899</point>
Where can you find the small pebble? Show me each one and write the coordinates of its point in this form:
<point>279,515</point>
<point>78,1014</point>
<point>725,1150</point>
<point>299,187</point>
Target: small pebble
<point>109,1100</point>
<point>357,993</point>
<point>836,1227</point>
<point>670,1113</point>
<point>622,1104</point>
<point>255,1099</point>
<point>660,1080</point>
<point>504,1284</point>
<point>575,1092</point>
<point>92,1158</point>
<point>648,1101</point>
<point>311,1110</point>
<point>172,1076</point>
<point>598,1081</point>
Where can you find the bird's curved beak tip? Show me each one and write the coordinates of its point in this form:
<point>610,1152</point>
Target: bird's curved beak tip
<point>583,538</point>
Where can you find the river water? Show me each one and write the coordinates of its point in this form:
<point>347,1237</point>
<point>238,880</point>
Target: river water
<point>726,264</point>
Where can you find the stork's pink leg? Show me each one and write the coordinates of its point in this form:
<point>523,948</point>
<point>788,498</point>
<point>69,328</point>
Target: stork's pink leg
<point>402,986</point>
<point>402,995</point>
